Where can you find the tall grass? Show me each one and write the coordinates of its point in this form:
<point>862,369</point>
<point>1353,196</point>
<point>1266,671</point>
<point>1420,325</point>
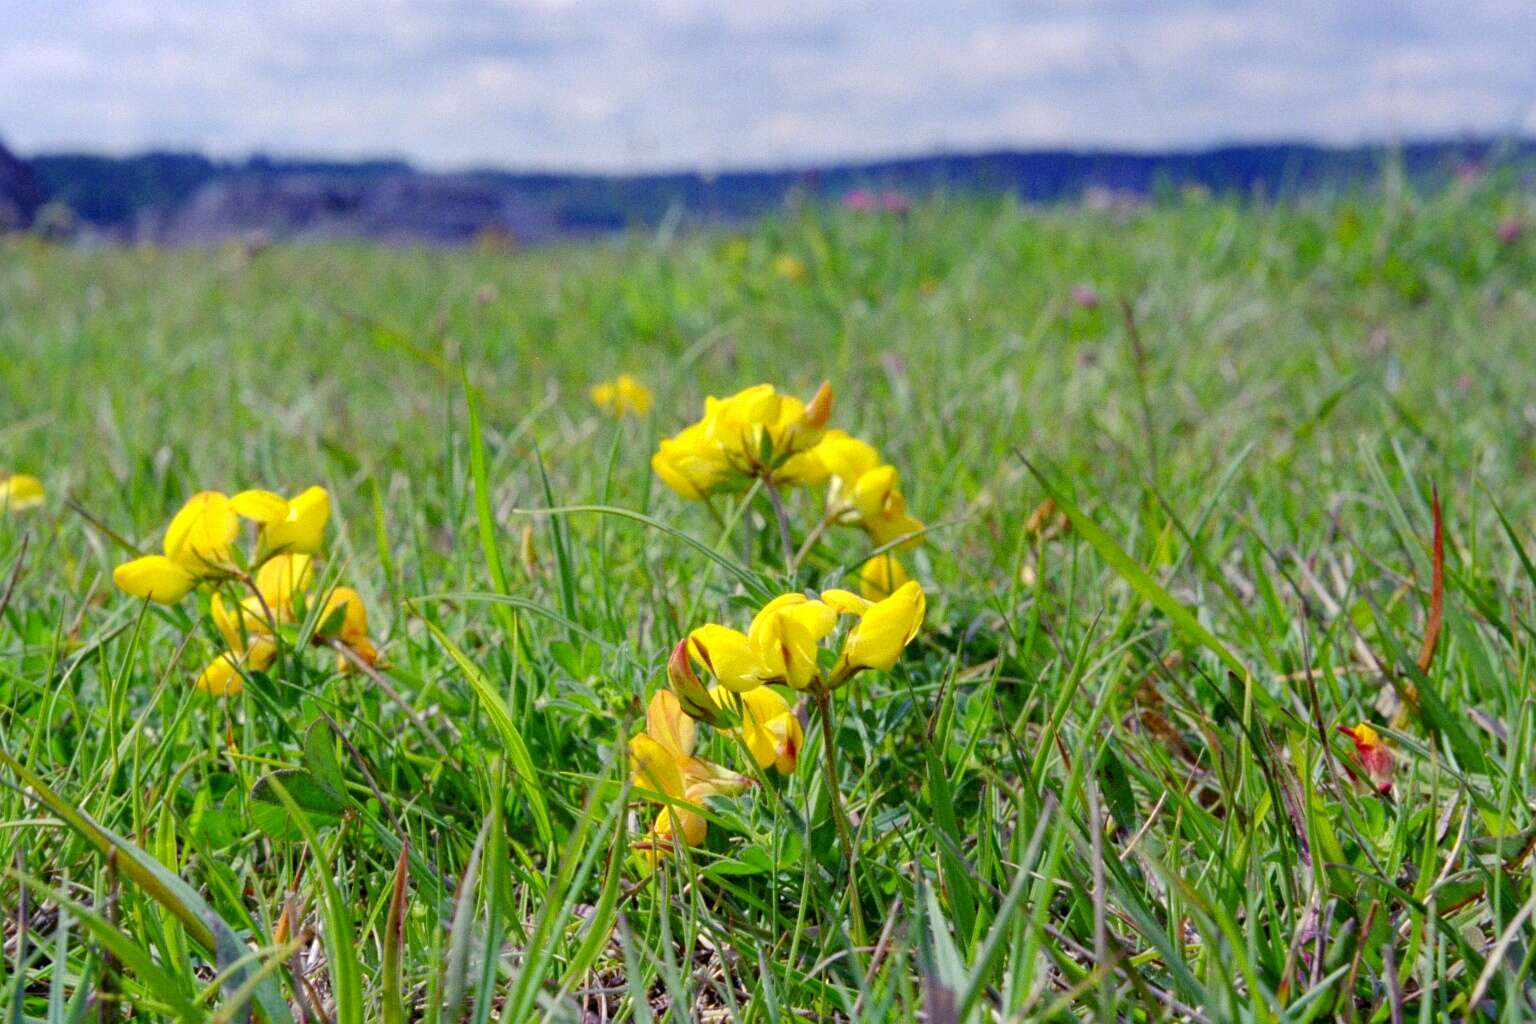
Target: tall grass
<point>1104,783</point>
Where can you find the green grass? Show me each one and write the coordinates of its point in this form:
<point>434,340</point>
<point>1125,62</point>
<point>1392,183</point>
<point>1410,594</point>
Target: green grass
<point>1104,783</point>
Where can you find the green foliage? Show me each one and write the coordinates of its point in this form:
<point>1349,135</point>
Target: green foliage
<point>1104,782</point>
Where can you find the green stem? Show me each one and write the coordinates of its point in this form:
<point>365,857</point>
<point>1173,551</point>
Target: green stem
<point>839,814</point>
<point>783,518</point>
<point>810,541</point>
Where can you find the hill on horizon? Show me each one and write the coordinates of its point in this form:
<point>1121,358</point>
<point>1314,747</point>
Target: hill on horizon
<point>190,198</point>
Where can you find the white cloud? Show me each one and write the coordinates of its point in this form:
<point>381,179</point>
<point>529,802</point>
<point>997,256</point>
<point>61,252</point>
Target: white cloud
<point>624,84</point>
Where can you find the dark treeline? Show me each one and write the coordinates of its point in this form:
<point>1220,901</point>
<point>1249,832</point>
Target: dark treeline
<point>188,197</point>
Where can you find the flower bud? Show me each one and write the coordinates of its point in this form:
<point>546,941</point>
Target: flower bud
<point>692,694</point>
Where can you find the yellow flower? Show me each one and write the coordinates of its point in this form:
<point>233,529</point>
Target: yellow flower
<point>622,396</point>
<point>19,493</point>
<point>692,463</point>
<point>895,524</point>
<point>768,727</point>
<point>300,528</point>
<point>280,578</point>
<point>198,545</point>
<point>202,532</point>
<point>863,491</point>
<point>692,695</point>
<point>352,630</point>
<point>666,772</point>
<point>846,458</point>
<point>155,577</point>
<point>729,656</point>
<point>880,577</point>
<point>749,434</point>
<point>788,267</point>
<point>883,631</point>
<point>784,636</point>
<point>222,676</point>
<point>877,504</point>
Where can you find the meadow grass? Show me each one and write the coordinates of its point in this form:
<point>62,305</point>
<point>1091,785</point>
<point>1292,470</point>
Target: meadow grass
<point>1104,783</point>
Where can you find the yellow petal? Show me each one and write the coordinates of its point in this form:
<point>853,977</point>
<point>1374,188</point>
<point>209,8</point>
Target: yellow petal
<point>673,822</point>
<point>302,531</point>
<point>873,491</point>
<point>201,533</point>
<point>280,578</point>
<point>666,724</point>
<point>728,655</point>
<point>220,678</point>
<point>19,493</point>
<point>354,622</point>
<point>604,396</point>
<point>845,602</point>
<point>260,506</point>
<point>240,624</point>
<point>880,577</point>
<point>886,628</point>
<point>655,769</point>
<point>804,469</point>
<point>784,636</point>
<point>155,577</point>
<point>846,457</point>
<point>769,727</point>
<point>632,395</point>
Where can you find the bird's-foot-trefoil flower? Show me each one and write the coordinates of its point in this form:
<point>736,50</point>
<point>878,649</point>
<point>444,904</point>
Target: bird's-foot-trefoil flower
<point>883,631</point>
<point>1373,755</point>
<point>729,656</point>
<point>344,620</point>
<point>19,492</point>
<point>784,637</point>
<point>745,436</point>
<point>299,528</point>
<point>665,771</point>
<point>862,490</point>
<point>783,643</point>
<point>880,577</point>
<point>622,396</point>
<point>200,547</point>
<point>768,729</point>
<point>199,544</point>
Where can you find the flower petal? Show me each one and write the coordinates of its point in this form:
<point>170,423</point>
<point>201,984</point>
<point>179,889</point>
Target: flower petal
<point>201,533</point>
<point>19,493</point>
<point>302,531</point>
<point>655,769</point>
<point>666,724</point>
<point>728,655</point>
<point>885,630</point>
<point>259,506</point>
<point>155,577</point>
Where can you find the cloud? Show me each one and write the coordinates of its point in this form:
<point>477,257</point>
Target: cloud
<point>625,85</point>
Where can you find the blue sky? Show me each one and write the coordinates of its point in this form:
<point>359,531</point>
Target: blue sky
<point>604,84</point>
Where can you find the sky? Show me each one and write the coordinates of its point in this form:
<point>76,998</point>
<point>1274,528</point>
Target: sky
<point>627,86</point>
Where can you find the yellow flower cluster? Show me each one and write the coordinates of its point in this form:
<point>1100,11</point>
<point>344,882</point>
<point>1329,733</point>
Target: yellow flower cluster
<point>19,493</point>
<point>862,491</point>
<point>200,547</point>
<point>782,644</point>
<point>666,771</point>
<point>622,396</point>
<point>755,433</point>
<point>759,433</point>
